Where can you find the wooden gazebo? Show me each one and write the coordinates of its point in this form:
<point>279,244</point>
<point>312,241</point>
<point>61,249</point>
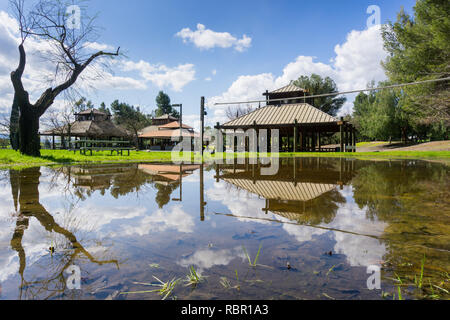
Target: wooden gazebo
<point>301,126</point>
<point>90,124</point>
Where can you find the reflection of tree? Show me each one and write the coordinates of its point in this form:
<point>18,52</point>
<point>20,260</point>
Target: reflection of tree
<point>413,199</point>
<point>25,188</point>
<point>302,190</point>
<point>164,192</point>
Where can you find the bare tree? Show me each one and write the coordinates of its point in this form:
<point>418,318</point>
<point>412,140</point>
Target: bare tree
<point>237,112</point>
<point>48,21</point>
<point>60,122</point>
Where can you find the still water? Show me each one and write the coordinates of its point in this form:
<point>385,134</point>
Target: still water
<point>314,228</point>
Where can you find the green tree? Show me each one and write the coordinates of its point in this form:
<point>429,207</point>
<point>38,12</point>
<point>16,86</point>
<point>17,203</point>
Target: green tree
<point>317,85</point>
<point>164,106</point>
<point>419,49</point>
<point>104,109</point>
<point>129,117</point>
<point>380,115</point>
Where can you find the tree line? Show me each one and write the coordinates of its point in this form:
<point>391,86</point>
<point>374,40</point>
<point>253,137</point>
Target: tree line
<point>419,49</point>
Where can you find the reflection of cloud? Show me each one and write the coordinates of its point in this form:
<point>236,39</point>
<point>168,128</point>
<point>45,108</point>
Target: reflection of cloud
<point>302,233</point>
<point>239,202</point>
<point>160,221</point>
<point>208,258</point>
<point>360,250</point>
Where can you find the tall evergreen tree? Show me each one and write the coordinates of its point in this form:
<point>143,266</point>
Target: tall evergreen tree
<point>164,106</point>
<point>316,85</point>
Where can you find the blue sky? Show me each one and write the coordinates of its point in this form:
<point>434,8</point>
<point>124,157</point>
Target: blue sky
<point>280,32</point>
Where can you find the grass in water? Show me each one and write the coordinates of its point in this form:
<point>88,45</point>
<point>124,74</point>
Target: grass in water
<point>193,278</point>
<point>165,288</point>
<point>254,263</point>
<point>227,284</point>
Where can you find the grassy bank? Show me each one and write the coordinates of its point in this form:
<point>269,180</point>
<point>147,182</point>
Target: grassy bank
<point>13,159</point>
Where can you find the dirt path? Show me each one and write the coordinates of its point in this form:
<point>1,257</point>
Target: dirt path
<point>395,146</point>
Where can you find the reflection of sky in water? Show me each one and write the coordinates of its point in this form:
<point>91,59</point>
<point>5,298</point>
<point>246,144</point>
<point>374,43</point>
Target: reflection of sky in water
<point>136,230</point>
<point>359,250</point>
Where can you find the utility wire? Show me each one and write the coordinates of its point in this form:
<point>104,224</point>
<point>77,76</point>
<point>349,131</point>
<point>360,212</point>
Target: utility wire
<point>338,93</point>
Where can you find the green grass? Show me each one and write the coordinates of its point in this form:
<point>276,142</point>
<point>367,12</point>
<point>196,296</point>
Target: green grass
<point>193,278</point>
<point>165,288</point>
<point>13,159</point>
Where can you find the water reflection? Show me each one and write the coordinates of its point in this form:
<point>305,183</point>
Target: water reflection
<point>116,220</point>
<point>25,193</point>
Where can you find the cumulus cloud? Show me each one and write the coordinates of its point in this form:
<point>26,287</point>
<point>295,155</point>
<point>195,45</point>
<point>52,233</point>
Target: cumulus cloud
<point>357,61</point>
<point>206,39</point>
<point>161,75</point>
<point>207,258</point>
<point>95,46</point>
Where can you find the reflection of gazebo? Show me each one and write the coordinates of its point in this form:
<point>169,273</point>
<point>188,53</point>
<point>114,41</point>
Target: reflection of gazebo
<point>303,189</point>
<point>91,124</point>
<point>94,177</point>
<point>168,172</point>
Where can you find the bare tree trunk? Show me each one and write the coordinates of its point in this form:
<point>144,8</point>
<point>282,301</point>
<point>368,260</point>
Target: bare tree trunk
<point>30,143</point>
<point>14,126</point>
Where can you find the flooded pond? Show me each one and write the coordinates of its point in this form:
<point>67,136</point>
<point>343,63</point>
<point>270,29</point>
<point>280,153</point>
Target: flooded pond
<point>309,232</point>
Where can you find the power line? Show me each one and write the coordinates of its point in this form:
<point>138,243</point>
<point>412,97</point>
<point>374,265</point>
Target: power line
<point>338,93</point>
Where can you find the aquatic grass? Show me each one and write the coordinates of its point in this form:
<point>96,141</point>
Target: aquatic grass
<point>227,284</point>
<point>165,289</point>
<point>193,278</point>
<point>255,262</point>
<point>419,281</point>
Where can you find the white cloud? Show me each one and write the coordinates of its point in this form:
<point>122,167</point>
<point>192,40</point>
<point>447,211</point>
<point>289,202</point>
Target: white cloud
<point>356,63</point>
<point>162,76</point>
<point>95,46</point>
<point>206,39</point>
<point>208,258</point>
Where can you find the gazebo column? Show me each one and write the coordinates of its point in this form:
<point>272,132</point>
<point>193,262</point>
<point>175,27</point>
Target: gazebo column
<point>314,141</point>
<point>318,141</point>
<point>354,139</point>
<point>303,140</point>
<point>295,135</point>
<point>341,129</point>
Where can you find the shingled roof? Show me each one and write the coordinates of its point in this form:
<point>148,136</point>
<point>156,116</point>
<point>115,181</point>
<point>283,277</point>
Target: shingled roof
<point>283,190</point>
<point>289,88</point>
<point>282,115</point>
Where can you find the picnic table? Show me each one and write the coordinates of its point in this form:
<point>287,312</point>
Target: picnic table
<point>102,145</point>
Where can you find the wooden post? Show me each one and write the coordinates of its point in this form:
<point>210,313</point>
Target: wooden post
<point>202,124</point>
<point>354,139</point>
<point>319,142</point>
<point>313,141</point>
<point>295,135</point>
<point>341,128</point>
